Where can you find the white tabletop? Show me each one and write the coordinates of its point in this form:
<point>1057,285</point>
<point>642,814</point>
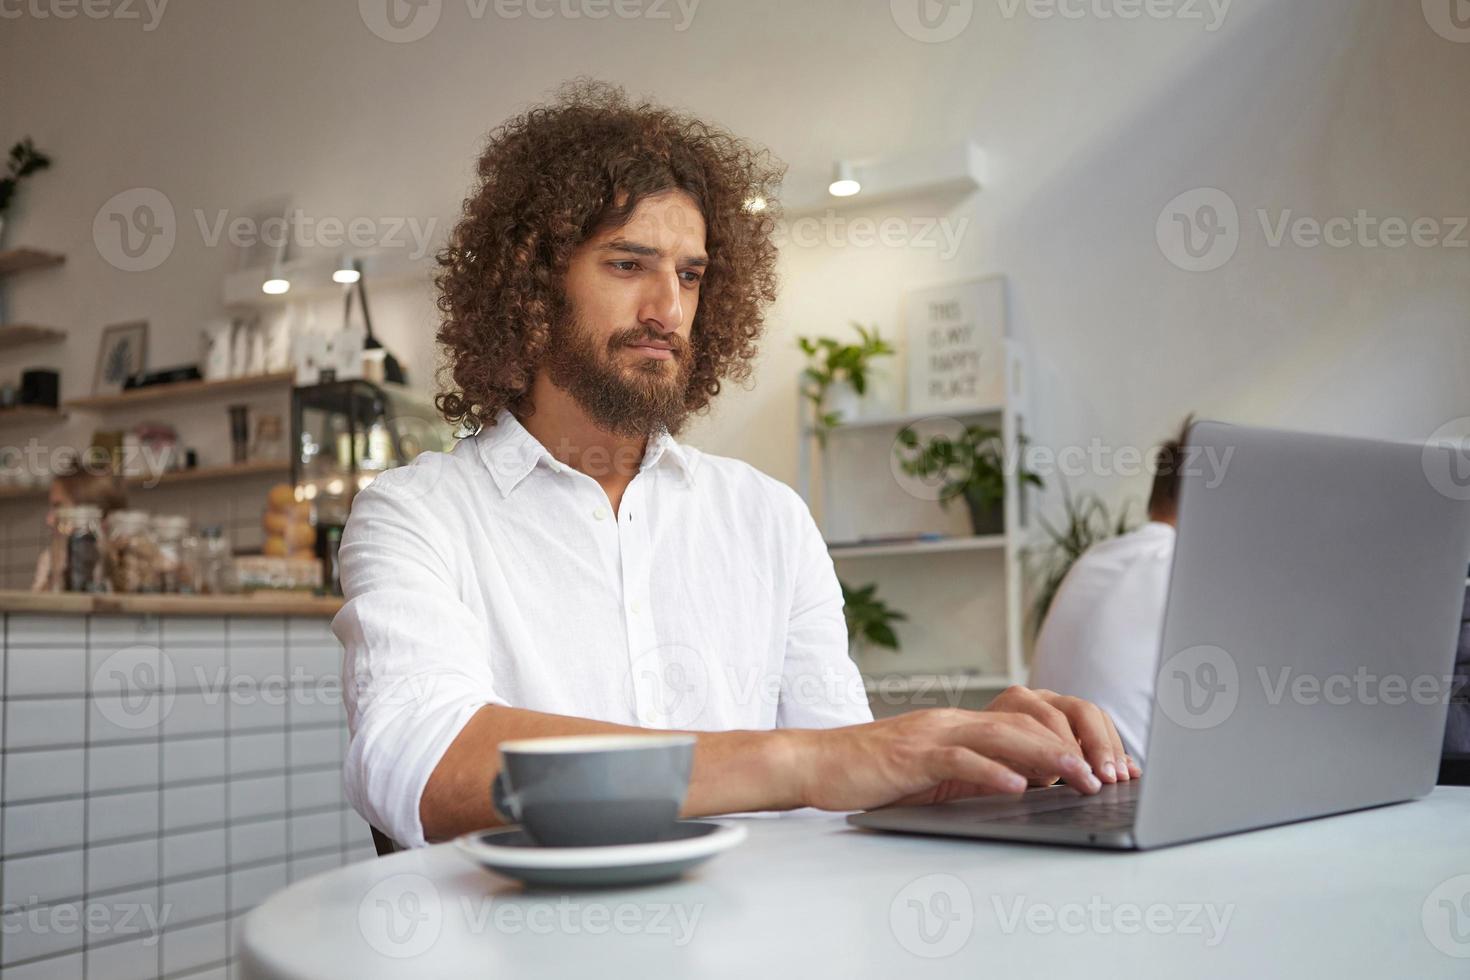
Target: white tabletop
<point>1379,893</point>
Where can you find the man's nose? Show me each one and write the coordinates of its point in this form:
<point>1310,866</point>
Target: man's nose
<point>663,308</point>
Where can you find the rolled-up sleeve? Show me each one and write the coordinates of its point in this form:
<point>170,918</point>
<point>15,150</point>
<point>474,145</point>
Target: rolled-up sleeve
<point>415,667</point>
<point>820,685</point>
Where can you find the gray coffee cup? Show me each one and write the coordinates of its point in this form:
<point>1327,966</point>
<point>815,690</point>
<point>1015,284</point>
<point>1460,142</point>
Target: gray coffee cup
<point>593,790</point>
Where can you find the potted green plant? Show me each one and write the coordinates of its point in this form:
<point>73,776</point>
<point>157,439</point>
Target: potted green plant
<point>1087,521</point>
<point>971,466</point>
<point>869,619</point>
<point>24,160</point>
<point>836,375</point>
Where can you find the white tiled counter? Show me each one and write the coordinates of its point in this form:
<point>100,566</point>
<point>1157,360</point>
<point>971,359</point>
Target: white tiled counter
<point>166,764</point>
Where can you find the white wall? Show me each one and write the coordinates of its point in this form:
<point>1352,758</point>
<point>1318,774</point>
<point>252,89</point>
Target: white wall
<point>1090,126</point>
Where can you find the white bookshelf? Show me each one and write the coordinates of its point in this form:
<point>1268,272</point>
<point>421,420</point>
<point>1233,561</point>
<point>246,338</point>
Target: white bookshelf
<point>961,592</point>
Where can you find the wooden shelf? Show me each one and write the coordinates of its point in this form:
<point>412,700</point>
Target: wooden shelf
<point>180,391</point>
<point>201,474</point>
<point>260,603</point>
<point>204,474</point>
<point>879,549</point>
<point>22,259</point>
<point>15,334</point>
<point>30,413</point>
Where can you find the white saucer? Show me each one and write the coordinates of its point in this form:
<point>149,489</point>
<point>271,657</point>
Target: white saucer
<point>512,853</point>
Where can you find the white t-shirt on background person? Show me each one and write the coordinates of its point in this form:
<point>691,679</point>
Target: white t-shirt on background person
<point>496,574</point>
<point>1100,639</point>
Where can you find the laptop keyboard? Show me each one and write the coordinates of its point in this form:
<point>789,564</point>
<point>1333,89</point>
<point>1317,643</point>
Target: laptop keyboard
<point>1111,815</point>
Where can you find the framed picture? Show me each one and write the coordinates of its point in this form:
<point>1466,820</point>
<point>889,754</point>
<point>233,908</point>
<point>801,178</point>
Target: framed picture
<point>956,346</point>
<point>124,353</point>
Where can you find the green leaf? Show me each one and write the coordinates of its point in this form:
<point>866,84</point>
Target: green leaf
<point>881,634</point>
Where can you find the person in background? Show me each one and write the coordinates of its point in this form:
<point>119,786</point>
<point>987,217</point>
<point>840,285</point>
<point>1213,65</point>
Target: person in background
<point>68,489</point>
<point>1100,638</point>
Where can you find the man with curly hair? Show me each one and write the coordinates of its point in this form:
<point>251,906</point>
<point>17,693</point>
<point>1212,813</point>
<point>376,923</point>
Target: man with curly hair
<point>570,568</point>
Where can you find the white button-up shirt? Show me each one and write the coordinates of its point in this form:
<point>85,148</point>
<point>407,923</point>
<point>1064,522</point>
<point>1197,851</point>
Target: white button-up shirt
<point>494,574</point>
<point>1101,637</point>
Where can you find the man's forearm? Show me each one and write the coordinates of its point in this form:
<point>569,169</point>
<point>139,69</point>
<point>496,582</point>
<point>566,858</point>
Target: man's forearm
<point>733,771</point>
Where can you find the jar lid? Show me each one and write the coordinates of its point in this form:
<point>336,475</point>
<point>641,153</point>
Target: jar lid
<point>131,518</point>
<point>170,522</point>
<point>79,512</point>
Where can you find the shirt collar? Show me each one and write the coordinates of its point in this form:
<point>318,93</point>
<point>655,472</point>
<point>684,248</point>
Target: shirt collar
<point>510,453</point>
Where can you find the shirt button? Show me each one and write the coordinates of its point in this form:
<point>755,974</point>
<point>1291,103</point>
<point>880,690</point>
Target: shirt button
<point>600,513</point>
<point>636,606</point>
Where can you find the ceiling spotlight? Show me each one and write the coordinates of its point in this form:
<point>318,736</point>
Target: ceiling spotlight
<point>347,271</point>
<point>844,180</point>
<point>275,285</point>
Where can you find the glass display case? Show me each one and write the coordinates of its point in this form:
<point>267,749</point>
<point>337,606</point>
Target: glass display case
<point>343,434</point>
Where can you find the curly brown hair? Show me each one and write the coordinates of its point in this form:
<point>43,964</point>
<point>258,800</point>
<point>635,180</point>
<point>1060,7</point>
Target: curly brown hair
<point>554,176</point>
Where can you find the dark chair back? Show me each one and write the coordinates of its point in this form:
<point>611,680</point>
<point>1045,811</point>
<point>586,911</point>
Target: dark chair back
<point>385,845</point>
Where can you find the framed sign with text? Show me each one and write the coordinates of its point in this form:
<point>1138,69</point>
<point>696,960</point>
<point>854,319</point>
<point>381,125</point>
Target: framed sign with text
<point>956,346</point>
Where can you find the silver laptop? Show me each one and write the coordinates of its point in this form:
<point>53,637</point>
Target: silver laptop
<point>1307,649</point>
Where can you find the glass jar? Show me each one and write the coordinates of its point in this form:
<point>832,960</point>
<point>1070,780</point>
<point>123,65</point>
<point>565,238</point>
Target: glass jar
<point>76,550</point>
<point>173,574</point>
<point>213,563</point>
<point>131,552</point>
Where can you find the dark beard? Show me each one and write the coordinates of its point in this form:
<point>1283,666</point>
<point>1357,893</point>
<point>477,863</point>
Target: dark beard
<point>618,393</point>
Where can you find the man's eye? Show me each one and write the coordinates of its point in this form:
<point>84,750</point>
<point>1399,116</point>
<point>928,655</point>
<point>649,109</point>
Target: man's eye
<point>625,265</point>
<point>694,277</point>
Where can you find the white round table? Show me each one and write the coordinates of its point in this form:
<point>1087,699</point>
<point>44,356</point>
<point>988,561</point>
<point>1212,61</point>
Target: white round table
<point>1379,893</point>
